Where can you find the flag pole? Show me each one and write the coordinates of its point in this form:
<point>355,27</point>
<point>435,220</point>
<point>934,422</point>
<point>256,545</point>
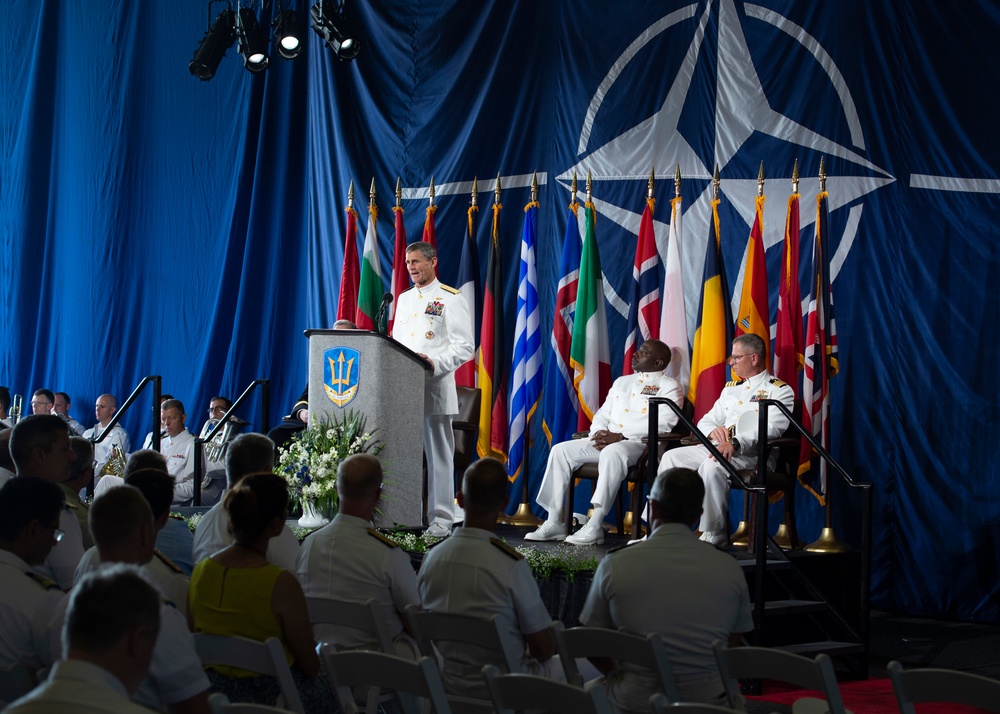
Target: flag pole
<point>827,541</point>
<point>523,516</point>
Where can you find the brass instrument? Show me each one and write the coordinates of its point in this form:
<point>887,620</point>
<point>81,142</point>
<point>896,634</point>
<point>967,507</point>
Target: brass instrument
<point>115,465</point>
<point>16,405</point>
<point>215,450</point>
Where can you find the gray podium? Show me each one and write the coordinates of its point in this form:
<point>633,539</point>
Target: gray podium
<point>375,375</point>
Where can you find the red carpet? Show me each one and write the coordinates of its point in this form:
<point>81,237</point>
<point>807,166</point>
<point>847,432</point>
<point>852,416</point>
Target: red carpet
<point>873,696</point>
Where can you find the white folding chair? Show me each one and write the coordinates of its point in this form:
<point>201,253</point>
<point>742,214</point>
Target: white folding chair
<point>267,657</point>
<point>377,670</point>
<point>942,685</point>
<point>659,704</point>
<point>430,628</point>
<point>737,663</point>
<point>15,682</point>
<point>365,616</point>
<point>585,642</point>
<point>526,692</point>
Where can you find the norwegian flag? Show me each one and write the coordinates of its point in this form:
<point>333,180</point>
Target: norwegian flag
<point>644,307</point>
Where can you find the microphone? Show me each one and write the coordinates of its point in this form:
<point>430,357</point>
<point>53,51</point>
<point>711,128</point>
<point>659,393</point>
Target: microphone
<point>386,299</point>
<point>380,321</point>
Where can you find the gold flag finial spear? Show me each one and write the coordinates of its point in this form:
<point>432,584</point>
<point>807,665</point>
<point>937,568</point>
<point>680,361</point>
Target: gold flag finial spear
<point>475,191</point>
<point>371,193</point>
<point>534,187</point>
<point>431,197</point>
<point>590,188</point>
<point>760,180</point>
<point>822,174</point>
<point>572,189</point>
<point>795,176</point>
<point>677,181</point>
<point>715,183</point>
<point>496,190</point>
<point>399,192</point>
<point>350,195</point>
<point>649,184</point>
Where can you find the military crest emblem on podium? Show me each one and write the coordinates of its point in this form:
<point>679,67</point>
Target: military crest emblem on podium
<point>341,370</point>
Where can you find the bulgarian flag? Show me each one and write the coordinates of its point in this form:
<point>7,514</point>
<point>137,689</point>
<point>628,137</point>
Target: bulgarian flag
<point>754,316</point>
<point>673,318</point>
<point>590,354</point>
<point>371,288</point>
<point>347,306</point>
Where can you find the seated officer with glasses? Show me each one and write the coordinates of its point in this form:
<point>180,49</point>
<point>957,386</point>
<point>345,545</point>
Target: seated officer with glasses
<point>753,382</point>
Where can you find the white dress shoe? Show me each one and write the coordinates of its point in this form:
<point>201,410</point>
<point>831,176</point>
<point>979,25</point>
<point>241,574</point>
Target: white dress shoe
<point>550,530</point>
<point>719,539</point>
<point>438,530</point>
<point>588,535</point>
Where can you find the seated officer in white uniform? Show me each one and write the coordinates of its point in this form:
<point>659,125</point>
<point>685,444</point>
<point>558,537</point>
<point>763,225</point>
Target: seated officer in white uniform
<point>105,408</point>
<point>739,397</point>
<point>177,446</point>
<point>615,443</point>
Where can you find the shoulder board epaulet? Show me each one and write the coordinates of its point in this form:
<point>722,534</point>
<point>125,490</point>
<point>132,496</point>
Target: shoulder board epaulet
<point>382,537</point>
<point>507,550</point>
<point>621,547</point>
<point>778,383</point>
<point>72,506</point>
<point>735,382</point>
<point>168,562</point>
<point>43,581</point>
<point>168,603</point>
<point>450,289</point>
<point>176,517</point>
<point>408,289</point>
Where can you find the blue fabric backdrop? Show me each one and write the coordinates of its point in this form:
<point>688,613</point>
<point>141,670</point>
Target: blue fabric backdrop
<point>155,224</point>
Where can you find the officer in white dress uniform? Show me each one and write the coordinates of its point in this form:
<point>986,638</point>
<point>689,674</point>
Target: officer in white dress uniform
<point>739,397</point>
<point>615,443</point>
<point>104,409</point>
<point>61,407</point>
<point>433,320</point>
<point>177,447</point>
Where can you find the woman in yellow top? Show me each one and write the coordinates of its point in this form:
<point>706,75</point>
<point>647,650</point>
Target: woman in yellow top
<point>238,593</point>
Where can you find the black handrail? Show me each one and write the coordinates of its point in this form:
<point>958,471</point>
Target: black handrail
<point>265,410</point>
<point>119,413</point>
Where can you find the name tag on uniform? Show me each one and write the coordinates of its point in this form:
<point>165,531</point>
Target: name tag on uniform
<point>434,308</point>
<point>650,390</point>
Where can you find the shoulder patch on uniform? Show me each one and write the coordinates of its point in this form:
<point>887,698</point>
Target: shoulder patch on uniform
<point>72,506</point>
<point>621,547</point>
<point>408,289</point>
<point>735,382</point>
<point>450,289</point>
<point>382,537</point>
<point>778,383</point>
<point>507,550</point>
<point>43,581</point>
<point>168,562</point>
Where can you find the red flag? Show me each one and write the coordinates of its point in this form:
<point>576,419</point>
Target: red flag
<point>492,379</point>
<point>468,285</point>
<point>430,235</point>
<point>788,338</point>
<point>754,316</point>
<point>350,276</point>
<point>400,279</point>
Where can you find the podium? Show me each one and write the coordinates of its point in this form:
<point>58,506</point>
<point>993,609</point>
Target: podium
<point>373,374</point>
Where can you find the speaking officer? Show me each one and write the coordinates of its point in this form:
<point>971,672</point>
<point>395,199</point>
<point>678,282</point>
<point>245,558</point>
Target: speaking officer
<point>433,320</point>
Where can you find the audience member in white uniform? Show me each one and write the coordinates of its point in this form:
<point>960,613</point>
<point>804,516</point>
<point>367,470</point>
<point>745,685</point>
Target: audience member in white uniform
<point>177,446</point>
<point>688,592</point>
<point>109,635</point>
<point>247,454</point>
<point>122,525</point>
<point>475,573</point>
<point>105,408</point>
<point>348,559</point>
<point>40,447</point>
<point>60,406</point>
<point>29,528</point>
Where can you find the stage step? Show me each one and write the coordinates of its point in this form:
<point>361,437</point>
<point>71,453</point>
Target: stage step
<point>787,607</point>
<point>830,647</point>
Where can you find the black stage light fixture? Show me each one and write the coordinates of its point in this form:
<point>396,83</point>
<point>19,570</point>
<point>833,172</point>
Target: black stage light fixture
<point>289,33</point>
<point>252,41</point>
<point>219,37</point>
<point>328,22</point>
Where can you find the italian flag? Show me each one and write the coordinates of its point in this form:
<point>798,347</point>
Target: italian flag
<point>371,288</point>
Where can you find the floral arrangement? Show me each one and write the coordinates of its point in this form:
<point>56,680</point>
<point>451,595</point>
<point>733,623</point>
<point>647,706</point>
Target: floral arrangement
<point>309,462</point>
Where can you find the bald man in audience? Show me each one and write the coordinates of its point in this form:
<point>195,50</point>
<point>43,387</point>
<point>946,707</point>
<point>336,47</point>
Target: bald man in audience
<point>121,522</point>
<point>105,408</point>
<point>348,559</point>
<point>475,573</point>
<point>29,528</point>
<point>247,454</point>
<point>40,448</point>
<point>110,633</point>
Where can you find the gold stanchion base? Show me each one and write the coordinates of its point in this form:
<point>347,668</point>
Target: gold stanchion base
<point>523,517</point>
<point>828,543</point>
<point>784,540</point>
<point>741,538</point>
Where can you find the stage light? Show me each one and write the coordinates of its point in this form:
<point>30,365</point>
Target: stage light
<point>289,33</point>
<point>328,22</point>
<point>219,37</point>
<point>252,41</point>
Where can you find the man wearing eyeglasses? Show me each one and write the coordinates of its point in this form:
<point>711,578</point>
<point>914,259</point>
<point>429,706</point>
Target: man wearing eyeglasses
<point>738,445</point>
<point>42,401</point>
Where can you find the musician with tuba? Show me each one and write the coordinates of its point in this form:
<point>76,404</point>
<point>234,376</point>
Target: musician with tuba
<point>111,452</point>
<point>10,409</point>
<point>214,482</point>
